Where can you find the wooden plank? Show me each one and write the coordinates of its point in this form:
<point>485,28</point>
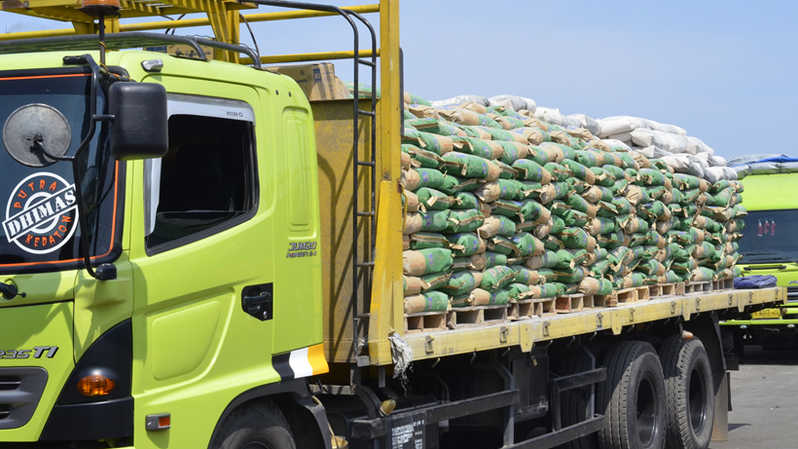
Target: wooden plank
<point>423,322</point>
<point>569,303</point>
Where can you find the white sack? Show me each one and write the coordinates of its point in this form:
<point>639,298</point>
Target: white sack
<point>453,102</point>
<point>514,102</point>
<point>668,142</point>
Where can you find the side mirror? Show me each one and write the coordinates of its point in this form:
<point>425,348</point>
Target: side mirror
<point>139,129</point>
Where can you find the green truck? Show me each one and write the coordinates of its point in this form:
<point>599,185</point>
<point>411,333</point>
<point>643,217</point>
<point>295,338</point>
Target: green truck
<point>768,247</point>
<point>195,255</point>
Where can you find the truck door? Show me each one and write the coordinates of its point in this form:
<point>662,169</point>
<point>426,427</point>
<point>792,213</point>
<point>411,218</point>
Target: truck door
<point>203,264</point>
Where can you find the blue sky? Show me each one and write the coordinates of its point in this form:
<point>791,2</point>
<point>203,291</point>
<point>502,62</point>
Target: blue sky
<point>721,70</point>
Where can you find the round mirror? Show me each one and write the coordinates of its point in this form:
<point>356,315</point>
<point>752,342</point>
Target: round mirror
<point>33,128</point>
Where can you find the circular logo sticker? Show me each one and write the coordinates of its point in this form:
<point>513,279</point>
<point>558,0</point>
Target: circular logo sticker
<point>41,214</point>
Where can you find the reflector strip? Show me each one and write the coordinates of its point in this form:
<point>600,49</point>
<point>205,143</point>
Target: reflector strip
<point>300,363</point>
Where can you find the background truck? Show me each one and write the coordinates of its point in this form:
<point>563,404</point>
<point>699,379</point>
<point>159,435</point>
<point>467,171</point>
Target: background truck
<point>769,247</point>
<point>196,256</point>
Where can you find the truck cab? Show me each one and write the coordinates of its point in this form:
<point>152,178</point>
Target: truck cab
<point>203,259</point>
<point>770,247</point>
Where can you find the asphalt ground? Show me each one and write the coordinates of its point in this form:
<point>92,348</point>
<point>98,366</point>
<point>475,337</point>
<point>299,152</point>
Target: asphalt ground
<point>764,401</point>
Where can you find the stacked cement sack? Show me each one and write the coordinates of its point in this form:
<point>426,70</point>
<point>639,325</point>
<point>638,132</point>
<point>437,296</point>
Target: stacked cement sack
<point>502,205</point>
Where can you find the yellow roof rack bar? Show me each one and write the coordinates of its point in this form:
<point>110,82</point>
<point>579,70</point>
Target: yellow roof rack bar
<point>68,11</point>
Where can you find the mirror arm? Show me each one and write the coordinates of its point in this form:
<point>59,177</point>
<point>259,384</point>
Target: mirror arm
<point>95,82</point>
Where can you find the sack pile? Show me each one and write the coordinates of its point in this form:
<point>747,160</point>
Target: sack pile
<point>502,206</point>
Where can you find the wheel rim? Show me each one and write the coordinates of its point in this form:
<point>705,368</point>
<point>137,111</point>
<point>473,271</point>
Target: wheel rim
<point>646,412</point>
<point>697,403</point>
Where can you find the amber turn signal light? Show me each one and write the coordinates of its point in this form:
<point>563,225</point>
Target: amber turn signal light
<point>96,385</point>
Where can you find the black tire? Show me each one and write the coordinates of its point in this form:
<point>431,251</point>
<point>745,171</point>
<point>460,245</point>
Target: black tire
<point>689,393</point>
<point>257,426</point>
<point>633,398</point>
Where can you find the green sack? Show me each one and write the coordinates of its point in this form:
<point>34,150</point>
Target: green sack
<point>500,297</point>
<point>595,286</point>
<point>685,182</point>
<point>497,277</point>
<point>506,208</point>
<point>435,126</point>
<point>702,274</point>
<point>531,210</point>
<point>552,289</point>
<point>619,188</point>
<point>436,281</point>
<point>636,225</point>
<point>651,177</point>
<point>426,261</point>
<point>465,244</point>
<point>575,238</point>
<point>505,171</point>
<point>549,259</point>
<point>532,171</point>
<point>574,218</point>
<point>600,268</point>
<point>580,171</point>
<point>424,158</point>
<point>513,151</point>
<point>570,276</point>
<point>511,189</point>
<point>602,178</point>
<point>528,245</point>
<point>493,259</point>
<point>627,160</point>
<point>472,166</point>
<point>526,276</point>
<point>497,133</point>
<point>590,158</point>
<point>431,301</point>
<point>601,225</point>
<point>434,220</point>
<point>519,291</point>
<point>433,199</point>
<point>578,203</point>
<point>683,238</point>
<point>545,153</point>
<point>503,245</point>
<point>465,200</point>
<point>424,240</point>
<point>553,243</point>
<point>617,173</point>
<point>611,240</point>
<point>557,225</point>
<point>464,221</point>
<point>462,283</point>
<point>559,172</point>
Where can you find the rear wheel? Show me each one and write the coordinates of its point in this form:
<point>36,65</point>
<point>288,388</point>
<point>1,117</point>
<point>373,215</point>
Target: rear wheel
<point>690,394</point>
<point>633,398</point>
<point>258,426</point>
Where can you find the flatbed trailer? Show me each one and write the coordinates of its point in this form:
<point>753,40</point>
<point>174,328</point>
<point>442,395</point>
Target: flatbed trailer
<point>531,374</point>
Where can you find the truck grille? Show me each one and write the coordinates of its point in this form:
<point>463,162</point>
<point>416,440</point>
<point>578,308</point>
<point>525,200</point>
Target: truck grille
<point>792,294</point>
<point>20,390</point>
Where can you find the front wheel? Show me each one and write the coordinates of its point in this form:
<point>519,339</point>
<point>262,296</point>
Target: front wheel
<point>690,393</point>
<point>633,398</point>
<point>258,426</point>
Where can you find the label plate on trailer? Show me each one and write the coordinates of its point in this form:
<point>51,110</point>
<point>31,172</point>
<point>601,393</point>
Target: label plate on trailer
<point>407,432</point>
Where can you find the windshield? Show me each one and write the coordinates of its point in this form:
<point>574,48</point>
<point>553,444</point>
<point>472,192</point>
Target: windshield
<point>770,236</point>
<point>40,230</point>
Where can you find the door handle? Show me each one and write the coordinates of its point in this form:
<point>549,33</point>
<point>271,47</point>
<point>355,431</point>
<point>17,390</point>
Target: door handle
<point>258,301</point>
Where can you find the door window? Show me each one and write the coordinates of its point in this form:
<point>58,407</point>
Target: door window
<point>206,183</point>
